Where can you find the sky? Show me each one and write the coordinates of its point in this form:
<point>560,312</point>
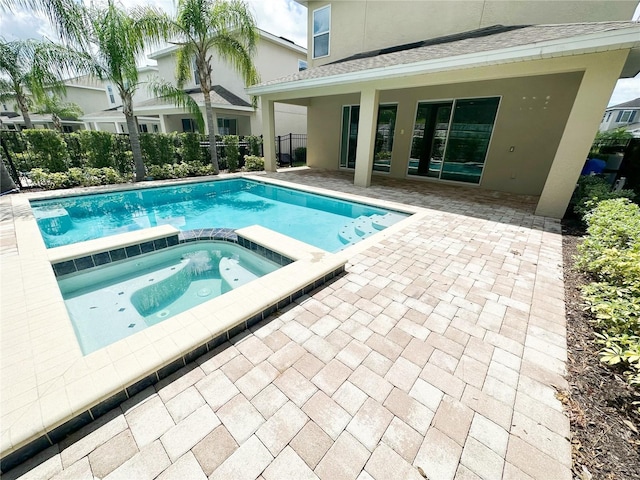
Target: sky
<point>284,18</point>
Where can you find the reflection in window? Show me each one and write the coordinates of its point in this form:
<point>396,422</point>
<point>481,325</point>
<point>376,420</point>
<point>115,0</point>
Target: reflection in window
<point>302,65</point>
<point>227,126</point>
<point>350,119</point>
<point>384,137</point>
<point>321,27</point>
<point>451,139</point>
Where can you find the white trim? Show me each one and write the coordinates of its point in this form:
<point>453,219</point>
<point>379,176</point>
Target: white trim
<point>314,35</point>
<point>582,44</point>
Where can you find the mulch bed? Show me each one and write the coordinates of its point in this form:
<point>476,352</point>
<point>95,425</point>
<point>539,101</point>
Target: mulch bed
<point>604,424</point>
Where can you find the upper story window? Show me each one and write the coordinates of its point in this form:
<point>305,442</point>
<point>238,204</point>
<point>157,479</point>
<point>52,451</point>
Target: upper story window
<point>302,65</point>
<point>626,116</point>
<point>112,99</point>
<point>321,27</point>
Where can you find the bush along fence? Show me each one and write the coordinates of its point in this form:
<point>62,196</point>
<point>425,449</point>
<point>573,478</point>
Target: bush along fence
<point>610,255</point>
<point>49,159</point>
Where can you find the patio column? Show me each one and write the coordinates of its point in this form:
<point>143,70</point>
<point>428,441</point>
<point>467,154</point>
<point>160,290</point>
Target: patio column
<point>595,90</point>
<point>163,123</point>
<point>369,100</point>
<point>268,134</point>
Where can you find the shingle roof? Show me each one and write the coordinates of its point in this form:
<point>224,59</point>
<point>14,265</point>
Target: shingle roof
<point>630,104</point>
<point>219,96</point>
<point>475,41</point>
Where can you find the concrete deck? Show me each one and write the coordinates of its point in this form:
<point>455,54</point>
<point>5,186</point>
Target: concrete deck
<point>439,350</point>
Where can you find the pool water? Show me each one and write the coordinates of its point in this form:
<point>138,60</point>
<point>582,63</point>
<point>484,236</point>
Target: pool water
<point>321,221</point>
<point>109,303</point>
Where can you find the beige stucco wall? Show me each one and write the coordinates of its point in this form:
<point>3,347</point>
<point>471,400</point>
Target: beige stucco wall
<point>89,100</point>
<point>363,25</point>
<point>531,118</point>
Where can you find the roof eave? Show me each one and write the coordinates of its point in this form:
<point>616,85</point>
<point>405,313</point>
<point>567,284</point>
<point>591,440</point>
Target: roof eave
<point>582,44</point>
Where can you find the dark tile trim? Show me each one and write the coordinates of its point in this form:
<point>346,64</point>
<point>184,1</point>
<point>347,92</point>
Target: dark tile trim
<point>52,437</point>
<point>130,251</point>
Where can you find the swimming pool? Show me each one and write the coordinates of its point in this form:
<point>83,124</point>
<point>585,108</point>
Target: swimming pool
<point>109,303</point>
<point>318,220</point>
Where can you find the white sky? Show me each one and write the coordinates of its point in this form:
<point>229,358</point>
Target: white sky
<point>284,18</point>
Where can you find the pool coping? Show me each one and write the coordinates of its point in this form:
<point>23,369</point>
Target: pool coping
<point>66,390</point>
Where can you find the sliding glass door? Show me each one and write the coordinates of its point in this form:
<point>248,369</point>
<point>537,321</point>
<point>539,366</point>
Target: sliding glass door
<point>385,131</point>
<point>451,139</point>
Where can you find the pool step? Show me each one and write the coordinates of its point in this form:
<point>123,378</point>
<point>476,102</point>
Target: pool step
<point>380,222</point>
<point>356,230</point>
<point>233,273</point>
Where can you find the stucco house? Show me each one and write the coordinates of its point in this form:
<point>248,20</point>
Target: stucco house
<point>624,115</point>
<point>505,95</point>
<point>233,110</point>
<point>88,93</point>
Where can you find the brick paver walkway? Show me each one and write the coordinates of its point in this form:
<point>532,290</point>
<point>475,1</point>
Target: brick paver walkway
<point>438,351</point>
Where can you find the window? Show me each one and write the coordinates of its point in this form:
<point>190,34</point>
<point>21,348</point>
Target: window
<point>188,125</point>
<point>608,117</point>
<point>451,139</point>
<point>67,129</point>
<point>384,137</point>
<point>194,67</point>
<point>302,65</point>
<point>350,119</point>
<point>227,126</point>
<point>112,99</point>
<point>625,116</point>
<point>143,128</point>
<point>321,27</point>
<point>155,128</point>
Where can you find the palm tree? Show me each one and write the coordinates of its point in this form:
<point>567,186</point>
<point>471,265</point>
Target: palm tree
<point>52,104</point>
<point>224,27</point>
<point>118,38</point>
<point>31,68</point>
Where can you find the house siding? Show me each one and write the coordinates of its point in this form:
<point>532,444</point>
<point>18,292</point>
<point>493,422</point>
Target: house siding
<point>364,25</point>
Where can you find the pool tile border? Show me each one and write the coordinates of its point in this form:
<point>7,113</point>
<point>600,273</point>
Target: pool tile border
<point>97,259</point>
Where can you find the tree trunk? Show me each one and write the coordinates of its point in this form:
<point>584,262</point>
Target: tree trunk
<point>134,138</point>
<point>210,128</point>
<point>23,106</point>
<point>57,122</point>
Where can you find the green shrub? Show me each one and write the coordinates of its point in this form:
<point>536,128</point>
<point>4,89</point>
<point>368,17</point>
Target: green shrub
<point>47,149</point>
<point>613,224</point>
<point>255,143</point>
<point>591,190</point>
<point>158,148</point>
<point>300,154</point>
<point>190,150</point>
<point>611,254</point>
<point>75,177</point>
<point>253,163</point>
<point>75,150</point>
<point>98,147</point>
<point>231,151</point>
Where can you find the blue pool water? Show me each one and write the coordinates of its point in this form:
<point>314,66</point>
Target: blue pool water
<point>109,303</point>
<point>321,221</point>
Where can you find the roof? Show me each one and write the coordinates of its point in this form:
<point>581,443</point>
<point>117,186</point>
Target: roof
<point>219,96</point>
<point>630,104</point>
<point>506,44</point>
<point>282,41</point>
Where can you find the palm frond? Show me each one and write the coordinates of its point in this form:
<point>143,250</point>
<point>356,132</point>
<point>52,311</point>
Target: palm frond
<point>179,97</point>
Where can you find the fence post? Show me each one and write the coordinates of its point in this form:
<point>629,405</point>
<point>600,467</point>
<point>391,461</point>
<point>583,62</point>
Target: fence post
<point>279,154</point>
<point>14,171</point>
<point>261,146</point>
<point>291,149</point>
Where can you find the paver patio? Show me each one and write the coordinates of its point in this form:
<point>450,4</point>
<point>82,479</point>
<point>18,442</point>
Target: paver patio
<point>439,350</point>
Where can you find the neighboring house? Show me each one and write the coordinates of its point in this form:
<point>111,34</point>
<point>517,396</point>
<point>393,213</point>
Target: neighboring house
<point>88,93</point>
<point>233,111</point>
<point>624,115</point>
<point>505,95</point>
